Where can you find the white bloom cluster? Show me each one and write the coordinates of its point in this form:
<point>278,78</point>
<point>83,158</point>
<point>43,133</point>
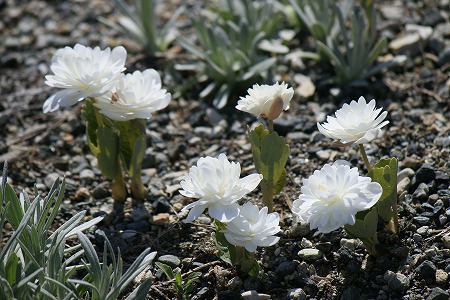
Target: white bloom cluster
<point>267,101</point>
<point>216,183</point>
<point>84,72</point>
<point>357,123</point>
<point>332,196</point>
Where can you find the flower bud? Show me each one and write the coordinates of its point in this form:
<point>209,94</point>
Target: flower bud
<point>275,109</point>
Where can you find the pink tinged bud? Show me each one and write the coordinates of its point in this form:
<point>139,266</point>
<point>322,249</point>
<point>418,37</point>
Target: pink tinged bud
<point>275,109</point>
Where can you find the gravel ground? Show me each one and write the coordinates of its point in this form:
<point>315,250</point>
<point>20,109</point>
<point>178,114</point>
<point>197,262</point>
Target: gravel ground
<point>304,264</point>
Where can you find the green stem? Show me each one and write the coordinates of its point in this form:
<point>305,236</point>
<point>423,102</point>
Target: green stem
<point>392,226</point>
<point>364,157</point>
<point>137,188</point>
<point>270,125</point>
<point>267,190</point>
<point>119,189</point>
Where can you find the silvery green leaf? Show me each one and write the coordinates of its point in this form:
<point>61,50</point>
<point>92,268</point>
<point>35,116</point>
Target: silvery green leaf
<point>273,46</point>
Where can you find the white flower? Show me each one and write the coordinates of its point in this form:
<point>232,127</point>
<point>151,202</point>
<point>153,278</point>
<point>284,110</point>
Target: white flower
<point>253,227</point>
<point>83,72</point>
<point>332,196</point>
<point>216,183</point>
<point>136,96</point>
<point>357,123</point>
<point>266,100</point>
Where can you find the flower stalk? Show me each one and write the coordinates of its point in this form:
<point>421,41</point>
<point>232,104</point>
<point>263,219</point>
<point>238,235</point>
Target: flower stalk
<point>364,157</point>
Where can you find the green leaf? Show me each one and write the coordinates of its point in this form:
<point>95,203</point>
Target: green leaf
<point>14,211</point>
<point>11,268</point>
<point>166,269</point>
<point>270,154</point>
<point>130,133</point>
<point>365,226</point>
<point>249,264</point>
<point>385,173</point>
<point>225,250</point>
<point>280,183</point>
<point>178,279</point>
<point>88,112</point>
<point>108,156</point>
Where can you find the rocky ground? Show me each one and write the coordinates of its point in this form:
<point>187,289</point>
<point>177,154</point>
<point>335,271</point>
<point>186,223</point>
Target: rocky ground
<point>304,264</point>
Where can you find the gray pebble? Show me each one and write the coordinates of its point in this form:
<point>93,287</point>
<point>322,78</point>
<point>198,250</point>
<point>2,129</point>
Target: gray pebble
<point>423,230</point>
<point>296,294</point>
<point>235,284</point>
<point>285,268</point>
<point>397,281</point>
<point>421,193</point>
<point>441,277</point>
<point>299,229</point>
<point>50,179</point>
<point>351,293</point>
<point>170,260</point>
<point>87,175</point>
<point>421,220</point>
<point>417,237</point>
<point>426,269</point>
<point>438,294</point>
<point>102,190</point>
<point>407,172</point>
<point>310,254</point>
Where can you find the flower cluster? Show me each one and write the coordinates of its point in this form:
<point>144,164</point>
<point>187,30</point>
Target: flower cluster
<point>82,72</point>
<point>217,185</point>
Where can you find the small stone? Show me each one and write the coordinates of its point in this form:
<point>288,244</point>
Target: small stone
<point>423,230</point>
<point>140,213</point>
<point>305,243</point>
<point>407,44</point>
<point>306,87</point>
<point>403,185</point>
<point>82,194</point>
<point>424,32</point>
<point>441,276</point>
<point>285,268</point>
<point>421,193</point>
<point>170,260</point>
<point>351,244</point>
<point>161,205</point>
<point>235,284</point>
<point>398,282</point>
<point>324,154</point>
<point>296,294</point>
<point>426,269</point>
<point>87,175</point>
<point>310,254</point>
<point>102,190</point>
<point>50,179</point>
<point>254,295</point>
<point>421,220</point>
<point>417,237</point>
<point>299,229</point>
<point>433,17</point>
<point>446,240</point>
<point>438,294</point>
<point>161,219</point>
<point>425,174</point>
<point>407,172</point>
